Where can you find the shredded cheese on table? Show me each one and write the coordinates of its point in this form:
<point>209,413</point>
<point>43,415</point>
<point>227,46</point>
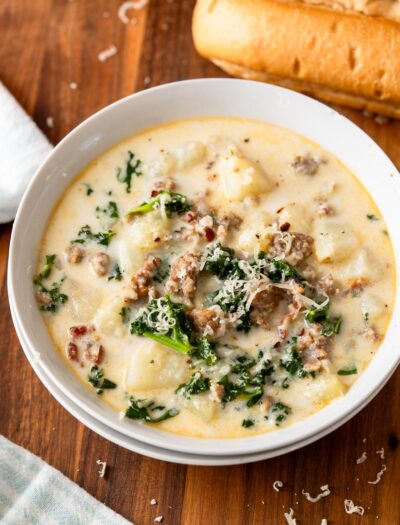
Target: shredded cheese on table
<point>277,485</point>
<point>103,465</point>
<point>378,476</point>
<point>325,492</point>
<point>290,517</point>
<point>350,508</point>
<point>362,458</point>
<point>381,453</point>
<point>127,6</point>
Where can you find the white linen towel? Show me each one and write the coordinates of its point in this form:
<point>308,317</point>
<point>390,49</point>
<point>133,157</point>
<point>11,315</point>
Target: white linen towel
<point>23,147</point>
<point>33,493</point>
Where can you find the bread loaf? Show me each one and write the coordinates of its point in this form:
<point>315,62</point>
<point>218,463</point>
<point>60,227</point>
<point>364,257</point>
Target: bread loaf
<point>341,57</point>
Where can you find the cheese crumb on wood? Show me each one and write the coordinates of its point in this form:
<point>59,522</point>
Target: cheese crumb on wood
<point>350,508</point>
<point>73,85</point>
<point>159,519</point>
<point>381,453</point>
<point>324,521</point>
<point>378,476</point>
<point>277,485</point>
<point>153,502</point>
<point>362,458</point>
<point>50,122</point>
<point>127,6</point>
<point>290,520</point>
<point>107,53</point>
<point>325,492</point>
<point>103,467</point>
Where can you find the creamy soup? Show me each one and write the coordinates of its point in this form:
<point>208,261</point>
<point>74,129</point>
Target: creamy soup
<point>216,277</point>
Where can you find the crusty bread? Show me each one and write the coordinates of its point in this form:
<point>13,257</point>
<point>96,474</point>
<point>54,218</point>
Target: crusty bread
<point>386,8</point>
<point>340,57</point>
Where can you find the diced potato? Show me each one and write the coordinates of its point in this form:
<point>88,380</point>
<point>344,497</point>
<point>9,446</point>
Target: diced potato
<point>362,265</point>
<point>83,300</point>
<point>241,177</point>
<point>149,229</point>
<point>202,407</point>
<point>297,216</point>
<point>130,256</point>
<point>154,366</point>
<point>372,307</point>
<point>190,154</point>
<point>324,388</point>
<point>334,241</point>
<point>164,165</point>
<point>107,320</point>
<point>254,237</point>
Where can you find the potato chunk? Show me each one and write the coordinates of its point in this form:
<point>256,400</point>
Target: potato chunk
<point>149,229</point>
<point>154,366</point>
<point>241,177</point>
<point>372,307</point>
<point>107,320</point>
<point>362,266</point>
<point>297,216</point>
<point>334,241</point>
<point>255,236</point>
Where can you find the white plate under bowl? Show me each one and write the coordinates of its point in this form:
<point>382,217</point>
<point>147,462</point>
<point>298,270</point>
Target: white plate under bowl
<point>129,442</point>
<point>200,98</point>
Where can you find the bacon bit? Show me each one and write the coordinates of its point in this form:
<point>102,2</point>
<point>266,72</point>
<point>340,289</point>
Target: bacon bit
<point>189,217</point>
<point>284,227</point>
<point>210,234</point>
<point>95,355</point>
<point>77,331</point>
<point>72,351</point>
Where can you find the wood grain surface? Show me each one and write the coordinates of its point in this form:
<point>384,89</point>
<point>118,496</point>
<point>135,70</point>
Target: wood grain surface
<point>44,46</point>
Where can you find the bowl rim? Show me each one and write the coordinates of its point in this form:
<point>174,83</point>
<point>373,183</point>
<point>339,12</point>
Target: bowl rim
<point>330,417</point>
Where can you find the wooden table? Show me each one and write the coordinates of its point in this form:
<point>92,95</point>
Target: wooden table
<point>44,47</point>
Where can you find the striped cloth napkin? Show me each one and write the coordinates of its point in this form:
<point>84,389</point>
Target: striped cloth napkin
<point>23,147</point>
<point>33,493</point>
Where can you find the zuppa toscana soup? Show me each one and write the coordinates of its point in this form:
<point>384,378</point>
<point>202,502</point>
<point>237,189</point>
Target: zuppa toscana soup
<point>216,277</point>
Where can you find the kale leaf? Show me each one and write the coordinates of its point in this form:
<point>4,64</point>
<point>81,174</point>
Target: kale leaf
<point>165,322</point>
<point>196,385</point>
<point>85,234</point>
<point>145,410</point>
<point>173,203</point>
<point>132,168</point>
<point>97,379</point>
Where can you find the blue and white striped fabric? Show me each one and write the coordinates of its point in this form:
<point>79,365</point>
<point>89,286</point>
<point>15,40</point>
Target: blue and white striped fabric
<point>33,493</point>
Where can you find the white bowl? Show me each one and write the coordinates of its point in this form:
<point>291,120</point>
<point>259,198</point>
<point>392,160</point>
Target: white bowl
<point>206,97</point>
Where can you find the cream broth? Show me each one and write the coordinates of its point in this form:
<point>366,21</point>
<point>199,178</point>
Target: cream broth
<point>224,276</point>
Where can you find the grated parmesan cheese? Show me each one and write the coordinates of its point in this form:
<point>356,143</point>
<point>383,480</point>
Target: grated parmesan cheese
<point>324,521</point>
<point>107,53</point>
<point>73,85</point>
<point>362,458</point>
<point>159,519</point>
<point>277,485</point>
<point>127,6</point>
<point>103,467</point>
<point>378,475</point>
<point>350,508</point>
<point>290,517</point>
<point>153,501</point>
<point>325,492</point>
<point>50,122</point>
<point>381,453</point>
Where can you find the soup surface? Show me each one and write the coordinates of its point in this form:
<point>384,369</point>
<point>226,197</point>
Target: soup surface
<point>216,277</point>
